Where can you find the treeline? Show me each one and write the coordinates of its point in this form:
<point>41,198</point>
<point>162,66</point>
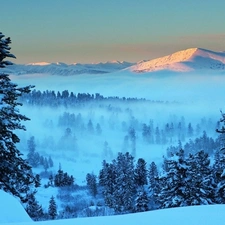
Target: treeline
<point>68,99</point>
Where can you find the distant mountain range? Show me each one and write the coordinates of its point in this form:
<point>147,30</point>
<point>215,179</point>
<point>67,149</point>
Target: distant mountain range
<point>67,69</point>
<point>193,59</point>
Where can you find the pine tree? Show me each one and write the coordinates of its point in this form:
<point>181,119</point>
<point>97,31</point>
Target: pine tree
<point>15,173</point>
<point>92,183</point>
<point>52,209</point>
<point>132,136</point>
<point>125,187</point>
<point>63,179</point>
<point>33,208</point>
<point>107,179</point>
<point>140,172</point>
<point>33,157</point>
<point>141,202</point>
<point>37,180</point>
<point>199,182</point>
<point>186,181</point>
<point>154,188</point>
<point>172,182</point>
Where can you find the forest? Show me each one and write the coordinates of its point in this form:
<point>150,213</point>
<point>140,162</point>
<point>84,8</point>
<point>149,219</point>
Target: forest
<point>111,155</point>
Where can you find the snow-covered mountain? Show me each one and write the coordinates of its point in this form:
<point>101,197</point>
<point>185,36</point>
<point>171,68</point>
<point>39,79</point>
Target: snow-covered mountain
<point>67,69</point>
<point>192,59</point>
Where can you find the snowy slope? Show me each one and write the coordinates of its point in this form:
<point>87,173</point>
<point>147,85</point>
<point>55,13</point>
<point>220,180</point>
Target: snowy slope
<point>11,210</point>
<point>192,59</point>
<point>13,213</point>
<point>65,69</point>
<point>195,215</point>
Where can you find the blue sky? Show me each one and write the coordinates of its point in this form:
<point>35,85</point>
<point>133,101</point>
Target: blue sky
<point>103,30</point>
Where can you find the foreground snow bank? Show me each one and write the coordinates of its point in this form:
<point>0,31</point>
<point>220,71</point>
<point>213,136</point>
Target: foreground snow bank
<point>195,215</point>
<point>11,211</point>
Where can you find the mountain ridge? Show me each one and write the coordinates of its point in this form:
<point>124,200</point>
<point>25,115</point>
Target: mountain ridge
<point>60,68</point>
<point>184,61</point>
<point>188,60</point>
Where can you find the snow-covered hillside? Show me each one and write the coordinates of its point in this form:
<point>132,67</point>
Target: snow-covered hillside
<point>13,213</point>
<point>65,69</point>
<point>11,210</point>
<point>192,59</point>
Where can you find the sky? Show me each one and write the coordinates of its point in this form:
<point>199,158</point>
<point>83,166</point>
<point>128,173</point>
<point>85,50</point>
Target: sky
<point>91,31</point>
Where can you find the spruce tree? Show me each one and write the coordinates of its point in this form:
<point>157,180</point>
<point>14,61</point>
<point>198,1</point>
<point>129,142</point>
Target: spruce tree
<point>153,183</point>
<point>15,173</point>
<point>33,208</point>
<point>172,182</point>
<point>107,179</point>
<point>92,183</point>
<point>52,209</point>
<point>132,136</point>
<point>199,182</point>
<point>140,172</point>
<point>141,202</point>
<point>33,157</point>
<point>125,187</point>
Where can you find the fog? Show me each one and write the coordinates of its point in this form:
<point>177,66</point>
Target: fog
<point>170,99</point>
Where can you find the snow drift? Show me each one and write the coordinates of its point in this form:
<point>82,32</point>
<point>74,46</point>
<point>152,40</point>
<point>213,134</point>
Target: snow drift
<point>11,210</point>
<point>194,215</point>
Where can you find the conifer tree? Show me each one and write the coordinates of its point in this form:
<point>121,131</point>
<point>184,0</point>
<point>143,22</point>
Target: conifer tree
<point>15,173</point>
<point>141,202</point>
<point>92,183</point>
<point>33,157</point>
<point>140,172</point>
<point>172,182</point>
<point>33,208</point>
<point>107,179</point>
<point>154,188</point>
<point>132,136</point>
<point>125,187</point>
<point>52,209</point>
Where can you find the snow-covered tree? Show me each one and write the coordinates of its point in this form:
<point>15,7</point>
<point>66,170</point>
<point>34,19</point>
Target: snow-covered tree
<point>33,157</point>
<point>140,172</point>
<point>141,202</point>
<point>92,183</point>
<point>199,182</point>
<point>15,173</point>
<point>153,183</point>
<point>125,187</point>
<point>63,179</point>
<point>52,209</point>
<point>186,181</point>
<point>107,179</point>
<point>33,208</point>
<point>172,182</point>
